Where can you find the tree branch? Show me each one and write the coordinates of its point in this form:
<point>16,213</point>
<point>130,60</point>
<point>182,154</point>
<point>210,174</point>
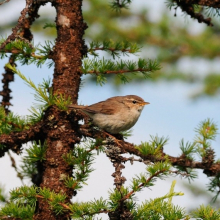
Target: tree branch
<point>15,140</point>
<point>119,71</point>
<point>209,167</point>
<point>1,3</point>
<point>141,185</point>
<point>188,8</point>
<point>8,77</point>
<point>22,29</point>
<point>209,3</point>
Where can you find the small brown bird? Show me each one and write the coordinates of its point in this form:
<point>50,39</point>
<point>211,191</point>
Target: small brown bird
<point>115,114</point>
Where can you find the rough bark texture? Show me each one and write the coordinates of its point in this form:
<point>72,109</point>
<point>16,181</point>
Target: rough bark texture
<point>8,77</point>
<point>209,3</point>
<point>114,154</point>
<point>69,48</point>
<point>61,134</point>
<point>22,31</point>
<point>14,140</point>
<point>209,167</point>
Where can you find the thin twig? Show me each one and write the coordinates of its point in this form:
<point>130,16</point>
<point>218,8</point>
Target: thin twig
<point>119,71</point>
<point>1,3</point>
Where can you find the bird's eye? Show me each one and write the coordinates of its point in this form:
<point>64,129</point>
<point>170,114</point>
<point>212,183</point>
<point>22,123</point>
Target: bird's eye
<point>134,101</point>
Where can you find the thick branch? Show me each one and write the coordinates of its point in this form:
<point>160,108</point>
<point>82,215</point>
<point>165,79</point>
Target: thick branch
<point>210,169</point>
<point>15,140</point>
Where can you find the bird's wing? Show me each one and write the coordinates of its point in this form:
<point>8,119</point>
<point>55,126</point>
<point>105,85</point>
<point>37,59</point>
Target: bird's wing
<point>101,107</point>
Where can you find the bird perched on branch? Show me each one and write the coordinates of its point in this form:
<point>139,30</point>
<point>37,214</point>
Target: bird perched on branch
<point>115,114</point>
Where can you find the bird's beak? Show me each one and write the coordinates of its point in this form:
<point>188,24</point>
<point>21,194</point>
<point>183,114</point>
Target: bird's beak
<point>144,103</point>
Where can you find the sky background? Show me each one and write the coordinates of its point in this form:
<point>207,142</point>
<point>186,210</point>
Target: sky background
<point>171,113</point>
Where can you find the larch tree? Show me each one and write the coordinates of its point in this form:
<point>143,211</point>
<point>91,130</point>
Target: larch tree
<point>61,150</point>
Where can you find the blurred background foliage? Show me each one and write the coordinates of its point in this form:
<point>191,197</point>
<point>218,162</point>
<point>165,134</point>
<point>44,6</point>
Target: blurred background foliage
<point>171,40</point>
<point>186,50</point>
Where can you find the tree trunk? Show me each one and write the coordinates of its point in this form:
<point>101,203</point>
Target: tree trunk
<point>61,135</point>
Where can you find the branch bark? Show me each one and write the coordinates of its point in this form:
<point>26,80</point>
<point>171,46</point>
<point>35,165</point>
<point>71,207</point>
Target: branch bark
<point>209,3</point>
<point>15,140</point>
<point>209,167</point>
